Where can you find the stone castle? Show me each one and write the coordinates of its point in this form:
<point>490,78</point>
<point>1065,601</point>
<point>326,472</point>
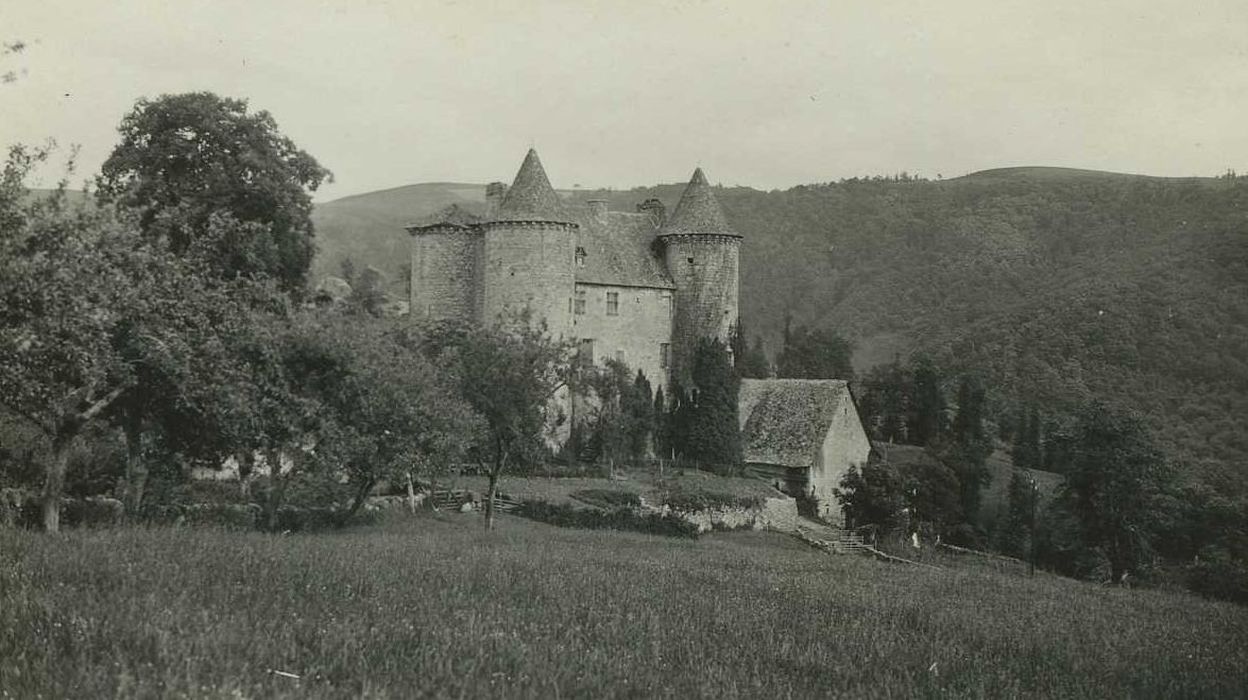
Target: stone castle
<point>641,287</point>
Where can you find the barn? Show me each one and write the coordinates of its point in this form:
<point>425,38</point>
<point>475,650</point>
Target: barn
<point>802,436</point>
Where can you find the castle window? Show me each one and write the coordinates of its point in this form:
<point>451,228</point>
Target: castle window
<point>580,302</point>
<point>613,303</point>
<point>580,256</point>
<point>585,353</point>
<point>665,354</point>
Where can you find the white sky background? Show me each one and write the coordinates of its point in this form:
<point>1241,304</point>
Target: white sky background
<point>627,93</point>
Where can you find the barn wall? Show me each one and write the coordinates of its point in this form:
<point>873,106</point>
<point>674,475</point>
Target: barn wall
<point>845,445</point>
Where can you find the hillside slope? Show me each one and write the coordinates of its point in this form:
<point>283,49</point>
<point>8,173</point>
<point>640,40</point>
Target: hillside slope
<point>1055,284</point>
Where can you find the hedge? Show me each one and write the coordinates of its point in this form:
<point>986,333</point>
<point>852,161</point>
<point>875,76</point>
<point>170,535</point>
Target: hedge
<point>564,515</point>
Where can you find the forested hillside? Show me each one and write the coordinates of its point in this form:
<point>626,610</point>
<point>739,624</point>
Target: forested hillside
<point>1054,284</point>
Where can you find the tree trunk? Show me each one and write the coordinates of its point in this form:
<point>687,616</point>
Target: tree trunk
<point>136,468</point>
<point>361,494</point>
<point>54,477</point>
<point>489,500</point>
<point>246,466</point>
<point>277,488</point>
<point>411,494</point>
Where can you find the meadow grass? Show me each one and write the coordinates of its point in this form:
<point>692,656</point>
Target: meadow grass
<point>432,606</point>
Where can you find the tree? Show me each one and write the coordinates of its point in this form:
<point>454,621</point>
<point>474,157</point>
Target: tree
<point>969,447</point>
<point>606,391</point>
<point>186,159</point>
<point>93,318</point>
<point>390,411</point>
<point>1115,471</point>
<point>814,353</point>
<point>1027,451</point>
<point>510,374</point>
<point>750,361</point>
<point>874,494</point>
<point>927,421</point>
<point>1014,532</point>
<point>711,434</point>
<point>638,410</point>
<point>887,394</point>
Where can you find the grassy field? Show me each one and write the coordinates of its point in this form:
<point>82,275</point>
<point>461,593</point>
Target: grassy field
<point>433,606</point>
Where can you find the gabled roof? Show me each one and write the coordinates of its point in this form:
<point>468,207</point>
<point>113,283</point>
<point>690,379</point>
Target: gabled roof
<point>784,421</point>
<point>698,211</point>
<point>531,198</point>
<point>619,250</point>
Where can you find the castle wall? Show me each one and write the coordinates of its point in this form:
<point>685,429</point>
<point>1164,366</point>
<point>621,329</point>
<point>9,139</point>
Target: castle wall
<point>705,270</point>
<point>529,264</point>
<point>635,334</point>
<point>444,274</point>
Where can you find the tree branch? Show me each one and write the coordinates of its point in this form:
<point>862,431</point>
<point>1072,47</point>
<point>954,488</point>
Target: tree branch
<point>94,409</point>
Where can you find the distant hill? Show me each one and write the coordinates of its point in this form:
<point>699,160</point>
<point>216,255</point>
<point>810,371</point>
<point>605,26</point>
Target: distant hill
<point>1055,284</point>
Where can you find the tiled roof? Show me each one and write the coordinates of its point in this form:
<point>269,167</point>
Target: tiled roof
<point>530,197</point>
<point>619,249</point>
<point>454,215</point>
<point>697,211</point>
<point>784,421</point>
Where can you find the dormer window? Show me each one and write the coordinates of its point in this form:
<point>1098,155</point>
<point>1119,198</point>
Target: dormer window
<point>580,256</point>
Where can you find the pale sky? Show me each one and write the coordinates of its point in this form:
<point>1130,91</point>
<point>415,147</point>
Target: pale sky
<point>633,92</point>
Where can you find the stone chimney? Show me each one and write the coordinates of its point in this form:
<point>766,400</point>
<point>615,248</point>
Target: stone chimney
<point>655,209</point>
<point>494,193</point>
<point>597,209</point>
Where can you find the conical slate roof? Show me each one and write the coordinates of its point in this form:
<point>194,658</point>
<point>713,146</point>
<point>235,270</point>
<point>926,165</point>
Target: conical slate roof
<point>531,198</point>
<point>697,211</point>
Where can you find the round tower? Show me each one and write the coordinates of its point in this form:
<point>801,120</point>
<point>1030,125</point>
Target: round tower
<point>702,253</point>
<point>445,261</point>
<point>528,251</point>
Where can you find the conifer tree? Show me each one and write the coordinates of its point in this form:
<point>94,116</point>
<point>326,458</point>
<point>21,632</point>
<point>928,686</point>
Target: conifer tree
<point>928,419</point>
<point>713,436</point>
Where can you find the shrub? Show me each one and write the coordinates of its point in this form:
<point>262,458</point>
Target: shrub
<point>606,498</point>
<point>563,515</point>
<point>691,500</point>
<point>1218,574</point>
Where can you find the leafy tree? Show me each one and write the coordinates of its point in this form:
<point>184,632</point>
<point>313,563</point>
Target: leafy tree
<point>509,373</point>
<point>390,410</point>
<point>367,289</point>
<point>887,395</point>
<point>94,319</point>
<point>874,494</point>
<point>185,159</point>
<point>709,421</point>
<point>814,353</point>
<point>608,393</point>
<point>1114,474</point>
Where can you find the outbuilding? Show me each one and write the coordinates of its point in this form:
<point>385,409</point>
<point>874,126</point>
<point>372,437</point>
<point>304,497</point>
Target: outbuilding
<point>802,436</point>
